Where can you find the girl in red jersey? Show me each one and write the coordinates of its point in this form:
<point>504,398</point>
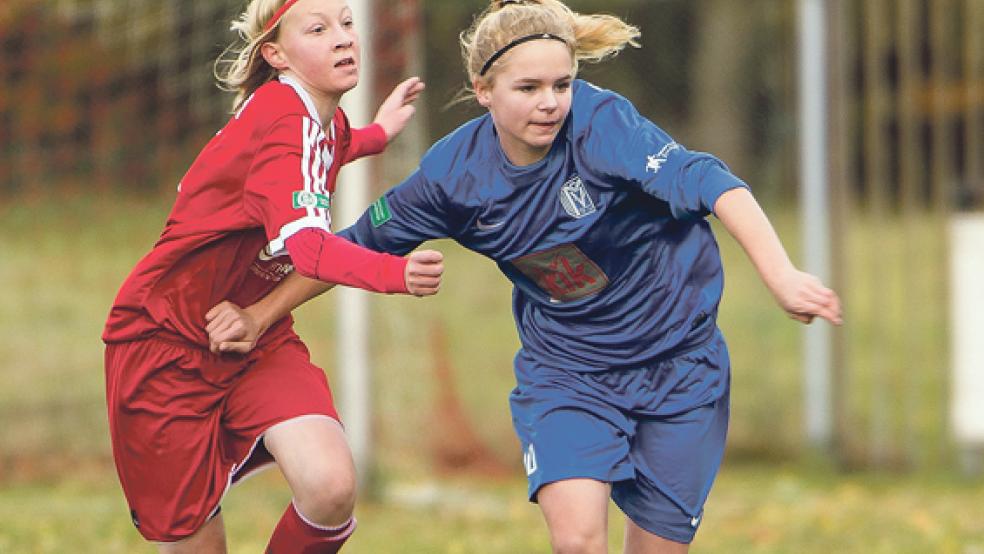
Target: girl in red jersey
<point>186,423</point>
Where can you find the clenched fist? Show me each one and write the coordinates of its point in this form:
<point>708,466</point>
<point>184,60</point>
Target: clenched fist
<point>423,272</point>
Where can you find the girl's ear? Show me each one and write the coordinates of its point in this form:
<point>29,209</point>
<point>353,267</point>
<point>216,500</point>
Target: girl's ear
<point>483,92</point>
<point>273,55</point>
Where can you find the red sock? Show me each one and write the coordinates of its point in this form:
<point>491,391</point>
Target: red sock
<point>296,535</point>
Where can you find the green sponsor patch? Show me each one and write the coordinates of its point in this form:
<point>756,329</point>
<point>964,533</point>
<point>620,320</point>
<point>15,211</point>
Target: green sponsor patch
<point>307,199</point>
<point>379,212</point>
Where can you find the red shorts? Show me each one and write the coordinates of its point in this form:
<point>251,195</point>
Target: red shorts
<point>186,424</point>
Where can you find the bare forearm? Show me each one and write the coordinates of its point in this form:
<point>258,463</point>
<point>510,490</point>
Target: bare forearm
<point>293,291</point>
<point>799,294</point>
<point>744,219</point>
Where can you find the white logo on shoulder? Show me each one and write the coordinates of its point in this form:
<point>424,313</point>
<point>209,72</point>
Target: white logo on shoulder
<point>529,460</point>
<point>655,162</point>
<point>575,198</point>
<point>695,521</point>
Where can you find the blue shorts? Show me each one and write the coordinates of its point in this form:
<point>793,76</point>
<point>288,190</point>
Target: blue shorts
<point>655,433</point>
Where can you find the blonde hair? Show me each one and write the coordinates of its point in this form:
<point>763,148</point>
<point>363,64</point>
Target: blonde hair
<point>590,38</point>
<point>241,67</point>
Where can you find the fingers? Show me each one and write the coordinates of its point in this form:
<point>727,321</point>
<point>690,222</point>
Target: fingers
<point>405,93</point>
<point>217,309</point>
<point>421,291</point>
<point>424,285</point>
<point>424,271</point>
<point>410,89</point>
<point>232,331</point>
<point>223,322</point>
<point>802,318</point>
<point>427,256</point>
<point>824,304</point>
<point>234,347</point>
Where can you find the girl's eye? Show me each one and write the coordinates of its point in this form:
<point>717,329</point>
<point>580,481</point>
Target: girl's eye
<point>561,87</point>
<point>348,23</point>
<point>527,88</point>
<point>318,29</point>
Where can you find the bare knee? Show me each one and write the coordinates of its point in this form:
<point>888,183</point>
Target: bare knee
<point>210,539</point>
<point>326,496</point>
<point>314,457</point>
<point>578,542</point>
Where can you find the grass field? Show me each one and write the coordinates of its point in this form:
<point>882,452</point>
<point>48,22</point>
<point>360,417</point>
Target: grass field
<point>65,256</point>
<point>753,509</point>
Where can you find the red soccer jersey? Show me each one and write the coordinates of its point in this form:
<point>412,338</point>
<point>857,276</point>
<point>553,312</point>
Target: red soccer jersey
<point>267,174</point>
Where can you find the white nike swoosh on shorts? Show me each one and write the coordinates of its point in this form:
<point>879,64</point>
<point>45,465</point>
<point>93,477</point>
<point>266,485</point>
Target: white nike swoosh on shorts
<point>482,226</point>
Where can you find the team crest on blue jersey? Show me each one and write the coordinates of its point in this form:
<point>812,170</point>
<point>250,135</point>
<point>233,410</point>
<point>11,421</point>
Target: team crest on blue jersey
<point>575,198</point>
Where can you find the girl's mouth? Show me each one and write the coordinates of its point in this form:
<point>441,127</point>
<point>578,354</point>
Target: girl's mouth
<point>345,62</point>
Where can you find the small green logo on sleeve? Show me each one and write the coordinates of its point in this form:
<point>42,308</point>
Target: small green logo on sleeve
<point>379,212</point>
<point>308,199</point>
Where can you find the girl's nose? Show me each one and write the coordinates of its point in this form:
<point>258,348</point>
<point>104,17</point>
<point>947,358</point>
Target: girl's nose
<point>344,39</point>
<point>548,101</point>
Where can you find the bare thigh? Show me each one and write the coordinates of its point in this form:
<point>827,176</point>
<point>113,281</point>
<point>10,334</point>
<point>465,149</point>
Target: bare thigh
<point>576,512</point>
<point>210,539</point>
<point>640,541</point>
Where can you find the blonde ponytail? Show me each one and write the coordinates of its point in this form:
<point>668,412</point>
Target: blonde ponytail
<point>590,38</point>
<point>241,67</point>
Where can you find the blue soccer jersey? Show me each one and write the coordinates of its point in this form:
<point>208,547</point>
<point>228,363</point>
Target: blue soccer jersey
<point>605,240</point>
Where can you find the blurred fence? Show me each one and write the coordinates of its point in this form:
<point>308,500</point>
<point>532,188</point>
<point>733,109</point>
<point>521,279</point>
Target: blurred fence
<point>908,146</point>
<point>101,94</point>
<point>118,95</point>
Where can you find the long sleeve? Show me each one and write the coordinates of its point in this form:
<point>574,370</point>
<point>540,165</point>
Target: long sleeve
<point>366,141</point>
<point>320,255</point>
<point>405,216</point>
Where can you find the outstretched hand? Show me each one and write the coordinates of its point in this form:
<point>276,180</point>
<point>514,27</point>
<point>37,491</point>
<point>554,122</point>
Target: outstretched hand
<point>395,112</point>
<point>804,298</point>
<point>231,329</point>
<point>423,272</point>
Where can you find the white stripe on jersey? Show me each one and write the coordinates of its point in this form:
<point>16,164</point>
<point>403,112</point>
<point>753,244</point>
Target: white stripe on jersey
<point>304,96</point>
<point>307,164</point>
<point>277,246</point>
<point>315,165</point>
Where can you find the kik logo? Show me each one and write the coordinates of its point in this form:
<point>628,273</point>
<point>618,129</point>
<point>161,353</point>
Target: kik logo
<point>564,272</point>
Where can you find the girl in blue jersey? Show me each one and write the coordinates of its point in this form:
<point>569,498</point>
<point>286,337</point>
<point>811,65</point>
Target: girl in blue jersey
<point>598,218</point>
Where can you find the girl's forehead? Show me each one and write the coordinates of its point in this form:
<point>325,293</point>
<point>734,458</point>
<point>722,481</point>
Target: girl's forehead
<point>537,59</point>
<point>316,7</point>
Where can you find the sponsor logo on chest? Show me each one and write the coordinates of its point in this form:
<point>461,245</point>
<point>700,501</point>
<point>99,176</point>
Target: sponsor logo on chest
<point>564,272</point>
<point>575,199</point>
<point>267,267</point>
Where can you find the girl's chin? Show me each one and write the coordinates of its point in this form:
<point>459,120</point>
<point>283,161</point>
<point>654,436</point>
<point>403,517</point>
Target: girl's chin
<point>342,80</point>
<point>340,87</point>
<point>541,140</point>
